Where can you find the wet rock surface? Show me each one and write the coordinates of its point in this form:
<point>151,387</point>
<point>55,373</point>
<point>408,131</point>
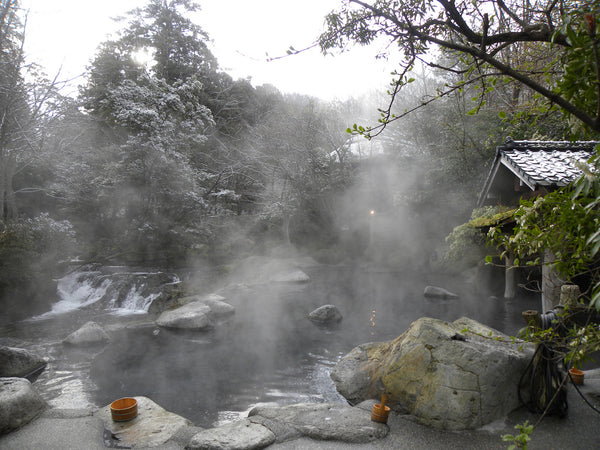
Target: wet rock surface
<point>322,421</point>
<point>19,362</point>
<point>438,292</point>
<point>197,313</point>
<point>193,316</point>
<point>326,314</point>
<point>19,403</point>
<point>152,427</point>
<point>445,377</point>
<point>242,434</point>
<point>90,333</point>
<point>65,429</point>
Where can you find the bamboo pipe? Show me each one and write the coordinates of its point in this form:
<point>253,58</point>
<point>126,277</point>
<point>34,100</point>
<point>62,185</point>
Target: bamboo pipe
<point>383,400</point>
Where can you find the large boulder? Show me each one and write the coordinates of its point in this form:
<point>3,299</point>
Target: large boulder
<point>193,316</point>
<point>447,378</point>
<point>19,403</point>
<point>200,313</point>
<point>19,362</point>
<point>58,429</point>
<point>152,427</point>
<point>90,333</point>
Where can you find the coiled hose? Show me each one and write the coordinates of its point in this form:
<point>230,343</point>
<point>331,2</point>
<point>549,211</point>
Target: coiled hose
<point>543,380</point>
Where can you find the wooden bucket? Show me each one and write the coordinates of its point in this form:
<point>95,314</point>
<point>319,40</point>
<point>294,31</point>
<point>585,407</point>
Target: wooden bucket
<point>379,414</point>
<point>576,376</point>
<point>124,409</point>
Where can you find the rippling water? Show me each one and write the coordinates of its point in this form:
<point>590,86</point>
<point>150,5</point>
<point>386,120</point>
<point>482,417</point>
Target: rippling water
<point>268,353</point>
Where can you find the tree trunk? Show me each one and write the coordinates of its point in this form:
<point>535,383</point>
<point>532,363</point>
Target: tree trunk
<point>2,184</point>
<point>286,228</point>
<point>10,204</point>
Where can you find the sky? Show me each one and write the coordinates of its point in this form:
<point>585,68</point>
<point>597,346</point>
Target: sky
<point>64,34</point>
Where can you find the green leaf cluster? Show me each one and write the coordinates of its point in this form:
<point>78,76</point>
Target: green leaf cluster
<point>521,439</point>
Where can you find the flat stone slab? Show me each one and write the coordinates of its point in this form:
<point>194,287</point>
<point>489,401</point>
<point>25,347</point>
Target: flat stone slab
<point>239,435</point>
<point>55,432</point>
<point>152,427</point>
<point>325,421</point>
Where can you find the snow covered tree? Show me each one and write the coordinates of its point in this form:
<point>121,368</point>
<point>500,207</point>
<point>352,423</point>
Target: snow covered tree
<point>153,121</point>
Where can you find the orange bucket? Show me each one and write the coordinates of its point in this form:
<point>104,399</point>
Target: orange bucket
<point>379,414</point>
<point>576,376</point>
<point>380,411</point>
<point>124,409</point>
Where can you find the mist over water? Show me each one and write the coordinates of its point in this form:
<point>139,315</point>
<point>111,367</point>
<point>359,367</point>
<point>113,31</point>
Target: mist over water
<point>268,353</point>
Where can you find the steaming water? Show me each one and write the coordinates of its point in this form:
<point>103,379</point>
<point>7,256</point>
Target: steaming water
<point>269,353</point>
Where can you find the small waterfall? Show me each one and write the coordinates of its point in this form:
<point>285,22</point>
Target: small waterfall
<point>117,289</point>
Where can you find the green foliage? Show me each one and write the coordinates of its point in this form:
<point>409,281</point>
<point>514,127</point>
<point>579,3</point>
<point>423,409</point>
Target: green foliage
<point>467,242</point>
<point>519,440</point>
<point>580,78</point>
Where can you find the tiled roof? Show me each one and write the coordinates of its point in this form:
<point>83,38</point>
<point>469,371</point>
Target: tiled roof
<point>545,167</point>
<point>540,163</point>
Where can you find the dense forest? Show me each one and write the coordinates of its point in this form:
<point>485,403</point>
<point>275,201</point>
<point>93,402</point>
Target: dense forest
<point>175,164</point>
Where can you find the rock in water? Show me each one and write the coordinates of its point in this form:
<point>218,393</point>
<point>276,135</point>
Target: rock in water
<point>18,362</point>
<point>19,403</point>
<point>219,310</point>
<point>445,377</point>
<point>199,314</point>
<point>193,316</point>
<point>89,334</point>
<point>326,314</point>
<point>438,292</point>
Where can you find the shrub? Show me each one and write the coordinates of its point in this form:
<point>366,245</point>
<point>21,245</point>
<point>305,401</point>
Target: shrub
<point>30,250</point>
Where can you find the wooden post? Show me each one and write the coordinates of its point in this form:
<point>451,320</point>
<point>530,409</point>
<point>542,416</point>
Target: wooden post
<point>532,319</point>
<point>551,283</point>
<point>569,294</point>
<point>510,276</point>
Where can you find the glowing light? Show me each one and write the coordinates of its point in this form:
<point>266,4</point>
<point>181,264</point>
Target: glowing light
<point>372,212</point>
<point>143,56</point>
